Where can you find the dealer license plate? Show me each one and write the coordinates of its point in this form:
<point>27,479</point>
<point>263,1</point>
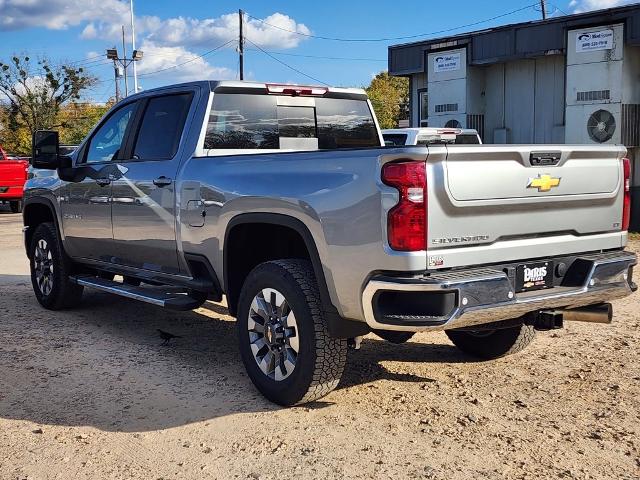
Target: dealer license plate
<point>534,276</point>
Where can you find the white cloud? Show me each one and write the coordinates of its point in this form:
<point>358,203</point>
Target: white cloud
<point>194,68</point>
<point>208,31</point>
<point>58,14</point>
<point>580,6</point>
<point>165,42</point>
<point>103,19</point>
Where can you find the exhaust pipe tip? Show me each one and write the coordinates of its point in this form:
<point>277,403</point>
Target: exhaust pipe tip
<point>600,313</point>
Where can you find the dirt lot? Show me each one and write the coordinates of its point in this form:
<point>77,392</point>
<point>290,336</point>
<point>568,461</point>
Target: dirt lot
<point>92,394</point>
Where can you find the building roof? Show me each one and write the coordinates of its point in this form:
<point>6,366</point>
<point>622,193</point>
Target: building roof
<point>515,41</point>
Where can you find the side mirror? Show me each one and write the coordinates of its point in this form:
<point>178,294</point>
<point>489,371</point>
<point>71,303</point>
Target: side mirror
<point>45,146</point>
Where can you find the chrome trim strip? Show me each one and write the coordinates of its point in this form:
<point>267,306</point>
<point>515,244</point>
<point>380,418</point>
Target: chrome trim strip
<point>485,295</point>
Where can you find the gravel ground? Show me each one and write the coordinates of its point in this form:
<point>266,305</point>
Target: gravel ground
<point>91,393</point>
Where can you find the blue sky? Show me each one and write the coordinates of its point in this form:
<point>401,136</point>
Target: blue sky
<point>173,32</point>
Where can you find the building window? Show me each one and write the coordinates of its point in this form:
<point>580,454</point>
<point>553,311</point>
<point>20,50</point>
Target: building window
<point>423,101</point>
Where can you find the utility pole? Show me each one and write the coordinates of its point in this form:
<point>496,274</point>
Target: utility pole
<point>543,7</point>
<point>241,45</point>
<point>112,54</point>
<point>133,47</point>
<point>116,69</point>
<point>124,54</point>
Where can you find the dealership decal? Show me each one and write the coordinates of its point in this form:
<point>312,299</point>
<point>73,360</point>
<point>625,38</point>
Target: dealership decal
<point>436,261</point>
<point>446,63</point>
<point>593,41</point>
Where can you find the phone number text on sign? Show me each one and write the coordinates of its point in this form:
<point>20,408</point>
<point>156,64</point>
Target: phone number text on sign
<point>593,41</point>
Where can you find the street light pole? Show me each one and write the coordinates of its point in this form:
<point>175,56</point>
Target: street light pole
<point>133,47</point>
<point>543,7</point>
<point>124,54</point>
<point>112,54</point>
<point>241,45</point>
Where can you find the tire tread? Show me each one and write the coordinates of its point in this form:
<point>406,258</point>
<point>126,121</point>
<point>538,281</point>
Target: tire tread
<point>331,353</point>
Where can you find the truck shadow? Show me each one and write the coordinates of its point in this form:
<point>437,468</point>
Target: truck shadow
<point>103,365</point>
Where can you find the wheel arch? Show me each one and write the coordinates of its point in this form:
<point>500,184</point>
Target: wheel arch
<point>274,220</point>
<point>35,211</point>
<point>305,247</point>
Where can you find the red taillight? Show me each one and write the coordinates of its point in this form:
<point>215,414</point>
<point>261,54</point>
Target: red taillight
<point>626,205</point>
<point>407,221</point>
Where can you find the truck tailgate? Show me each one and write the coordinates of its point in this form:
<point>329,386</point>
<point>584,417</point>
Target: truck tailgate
<point>12,172</point>
<point>493,203</point>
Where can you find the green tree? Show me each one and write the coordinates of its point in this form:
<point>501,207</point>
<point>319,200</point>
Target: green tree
<point>76,119</point>
<point>390,99</point>
<point>35,93</point>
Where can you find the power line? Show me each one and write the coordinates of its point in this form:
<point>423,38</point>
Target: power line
<point>388,39</point>
<point>188,61</point>
<point>326,58</point>
<point>558,8</point>
<point>284,63</point>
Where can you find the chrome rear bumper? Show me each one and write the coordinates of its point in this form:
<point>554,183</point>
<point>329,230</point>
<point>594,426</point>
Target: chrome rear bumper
<point>486,295</point>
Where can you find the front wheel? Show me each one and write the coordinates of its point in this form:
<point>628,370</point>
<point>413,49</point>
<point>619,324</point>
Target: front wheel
<point>50,269</point>
<point>284,340</point>
<point>489,344</point>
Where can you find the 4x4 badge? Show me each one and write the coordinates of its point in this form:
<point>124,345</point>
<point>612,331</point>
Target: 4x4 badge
<point>544,183</point>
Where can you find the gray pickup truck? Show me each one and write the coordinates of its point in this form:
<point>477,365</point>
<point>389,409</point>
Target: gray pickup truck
<point>283,199</point>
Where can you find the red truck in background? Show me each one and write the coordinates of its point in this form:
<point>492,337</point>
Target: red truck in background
<point>13,175</point>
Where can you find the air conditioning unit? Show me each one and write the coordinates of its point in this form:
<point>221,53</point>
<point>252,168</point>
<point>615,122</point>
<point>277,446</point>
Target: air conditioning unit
<point>602,91</point>
<point>448,121</point>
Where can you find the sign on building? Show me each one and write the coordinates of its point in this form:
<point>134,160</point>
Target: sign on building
<point>592,41</point>
<point>446,63</point>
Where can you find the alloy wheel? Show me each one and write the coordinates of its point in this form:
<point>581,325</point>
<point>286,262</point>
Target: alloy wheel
<point>43,266</point>
<point>273,334</point>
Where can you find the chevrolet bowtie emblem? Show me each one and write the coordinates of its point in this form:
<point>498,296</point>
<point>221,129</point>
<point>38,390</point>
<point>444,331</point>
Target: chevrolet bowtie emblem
<point>543,183</point>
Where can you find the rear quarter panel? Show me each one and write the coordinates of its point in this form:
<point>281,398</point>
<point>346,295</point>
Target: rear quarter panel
<point>338,196</point>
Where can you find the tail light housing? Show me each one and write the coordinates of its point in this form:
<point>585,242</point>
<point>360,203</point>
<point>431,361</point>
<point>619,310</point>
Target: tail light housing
<point>407,220</point>
<point>626,204</point>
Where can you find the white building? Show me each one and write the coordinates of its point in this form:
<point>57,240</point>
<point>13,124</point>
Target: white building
<point>571,79</point>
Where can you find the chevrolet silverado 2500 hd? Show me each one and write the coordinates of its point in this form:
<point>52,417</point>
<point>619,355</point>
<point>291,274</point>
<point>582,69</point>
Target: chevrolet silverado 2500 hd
<point>283,199</point>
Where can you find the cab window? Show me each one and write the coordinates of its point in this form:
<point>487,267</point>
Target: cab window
<point>107,141</point>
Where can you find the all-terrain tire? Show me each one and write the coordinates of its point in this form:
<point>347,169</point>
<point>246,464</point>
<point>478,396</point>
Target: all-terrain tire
<point>394,337</point>
<point>16,206</point>
<point>493,344</point>
<point>320,359</point>
<point>45,252</point>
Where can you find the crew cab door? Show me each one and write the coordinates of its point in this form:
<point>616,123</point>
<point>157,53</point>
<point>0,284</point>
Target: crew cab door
<point>86,197</point>
<point>144,195</point>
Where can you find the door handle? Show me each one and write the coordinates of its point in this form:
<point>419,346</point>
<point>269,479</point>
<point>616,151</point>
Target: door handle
<point>103,182</point>
<point>162,181</point>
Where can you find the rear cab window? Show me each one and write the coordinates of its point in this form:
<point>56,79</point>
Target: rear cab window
<point>161,127</point>
<point>240,121</point>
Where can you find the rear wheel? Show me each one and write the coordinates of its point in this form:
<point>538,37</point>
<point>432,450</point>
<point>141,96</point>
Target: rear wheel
<point>16,206</point>
<point>284,341</point>
<point>50,269</point>
<point>489,344</point>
